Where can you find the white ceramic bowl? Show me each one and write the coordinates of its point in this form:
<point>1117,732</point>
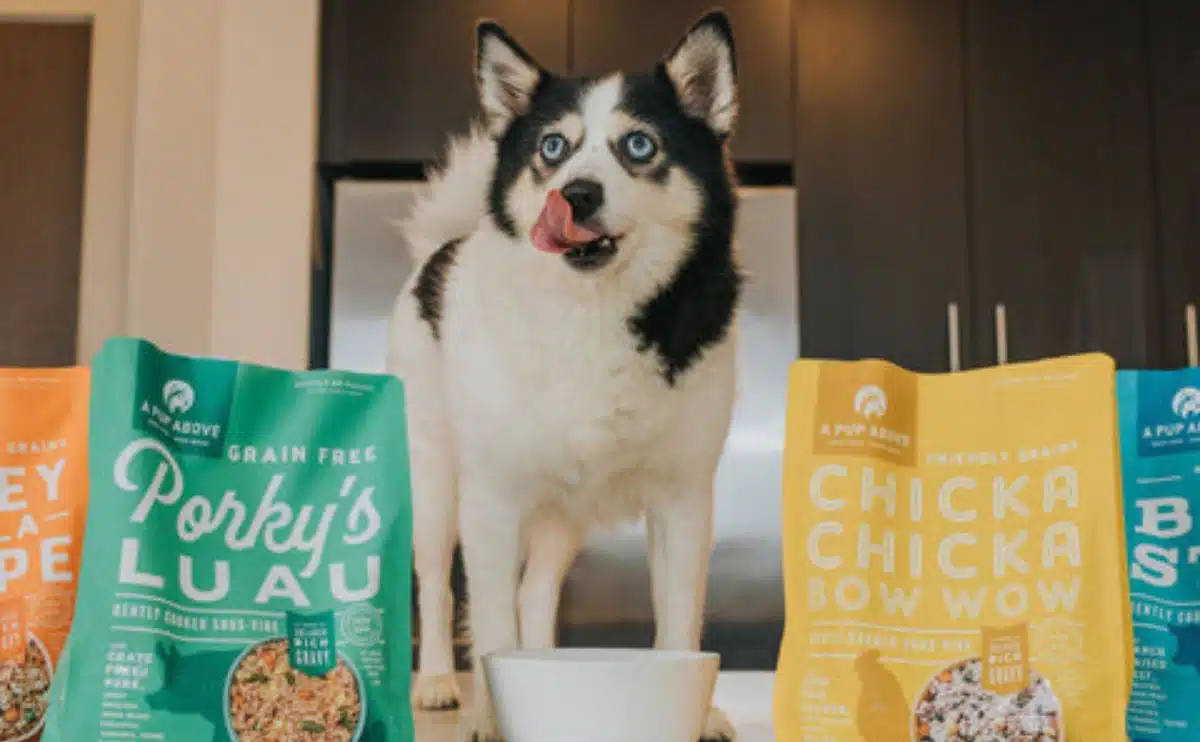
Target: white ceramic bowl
<point>601,695</point>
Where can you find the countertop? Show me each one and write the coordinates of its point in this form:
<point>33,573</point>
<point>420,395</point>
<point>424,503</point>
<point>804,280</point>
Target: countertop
<point>744,696</point>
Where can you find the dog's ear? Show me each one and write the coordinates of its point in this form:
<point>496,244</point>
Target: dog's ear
<point>703,69</point>
<point>507,76</point>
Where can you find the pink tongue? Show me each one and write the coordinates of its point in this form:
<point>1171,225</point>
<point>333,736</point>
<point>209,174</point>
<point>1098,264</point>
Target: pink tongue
<point>555,230</point>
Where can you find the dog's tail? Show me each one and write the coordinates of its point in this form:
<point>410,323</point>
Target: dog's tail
<point>457,196</point>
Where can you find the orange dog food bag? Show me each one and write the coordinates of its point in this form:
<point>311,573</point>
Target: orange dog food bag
<point>43,504</point>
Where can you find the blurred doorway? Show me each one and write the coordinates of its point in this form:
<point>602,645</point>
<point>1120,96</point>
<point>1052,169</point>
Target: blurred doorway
<point>44,83</point>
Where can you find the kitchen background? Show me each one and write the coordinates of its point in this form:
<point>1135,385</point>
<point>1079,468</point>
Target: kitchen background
<point>942,183</point>
<point>945,184</point>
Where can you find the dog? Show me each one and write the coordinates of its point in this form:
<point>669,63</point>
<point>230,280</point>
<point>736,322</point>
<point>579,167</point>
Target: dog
<point>567,344</point>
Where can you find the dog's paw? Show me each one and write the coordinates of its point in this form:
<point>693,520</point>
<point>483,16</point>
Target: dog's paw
<point>479,726</point>
<point>718,728</point>
<point>435,693</point>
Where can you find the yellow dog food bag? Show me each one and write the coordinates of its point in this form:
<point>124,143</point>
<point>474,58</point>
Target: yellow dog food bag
<point>953,555</point>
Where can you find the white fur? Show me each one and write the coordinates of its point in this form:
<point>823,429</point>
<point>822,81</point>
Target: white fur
<point>536,419</point>
<point>456,198</point>
<point>506,80</point>
<point>704,54</point>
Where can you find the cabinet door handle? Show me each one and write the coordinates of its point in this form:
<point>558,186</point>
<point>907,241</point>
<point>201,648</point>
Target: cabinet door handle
<point>1001,334</point>
<point>1193,342</point>
<point>952,329</point>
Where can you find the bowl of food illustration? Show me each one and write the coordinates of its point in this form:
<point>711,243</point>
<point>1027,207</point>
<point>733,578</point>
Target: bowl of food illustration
<point>954,706</point>
<point>266,698</point>
<point>25,692</point>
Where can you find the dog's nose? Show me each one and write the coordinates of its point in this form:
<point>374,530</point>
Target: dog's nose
<point>585,196</point>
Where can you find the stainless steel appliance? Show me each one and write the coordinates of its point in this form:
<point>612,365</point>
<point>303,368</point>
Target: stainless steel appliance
<point>607,596</point>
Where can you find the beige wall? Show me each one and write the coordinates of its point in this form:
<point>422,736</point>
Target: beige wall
<point>223,169</point>
<point>201,144</point>
<point>266,154</point>
<point>174,175</point>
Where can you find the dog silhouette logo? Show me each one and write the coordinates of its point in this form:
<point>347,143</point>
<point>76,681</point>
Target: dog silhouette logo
<point>871,402</point>
<point>1186,403</point>
<point>179,396</point>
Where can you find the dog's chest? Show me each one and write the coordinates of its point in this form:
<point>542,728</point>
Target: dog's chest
<point>566,389</point>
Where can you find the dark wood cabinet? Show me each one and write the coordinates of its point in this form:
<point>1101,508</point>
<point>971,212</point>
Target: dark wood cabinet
<point>608,35</point>
<point>398,75</point>
<point>1062,227</point>
<point>1174,36</point>
<point>1040,157</point>
<point>880,174</point>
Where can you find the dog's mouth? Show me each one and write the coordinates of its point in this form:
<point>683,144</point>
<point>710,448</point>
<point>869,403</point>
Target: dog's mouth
<point>557,232</point>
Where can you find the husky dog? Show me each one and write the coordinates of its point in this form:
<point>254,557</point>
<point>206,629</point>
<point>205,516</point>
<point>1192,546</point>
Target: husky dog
<point>567,344</point>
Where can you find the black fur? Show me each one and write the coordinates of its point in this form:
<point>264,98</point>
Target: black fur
<point>554,97</point>
<point>486,28</point>
<point>696,308</point>
<point>515,99</point>
<point>718,22</point>
<point>431,285</point>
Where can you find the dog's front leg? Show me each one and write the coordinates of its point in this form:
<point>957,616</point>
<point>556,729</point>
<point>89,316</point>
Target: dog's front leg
<point>490,530</point>
<point>435,531</point>
<point>553,542</point>
<point>680,534</point>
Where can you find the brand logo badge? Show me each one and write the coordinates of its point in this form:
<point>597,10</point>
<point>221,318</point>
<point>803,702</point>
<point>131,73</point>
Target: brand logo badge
<point>1186,403</point>
<point>184,401</point>
<point>1168,413</point>
<point>179,396</point>
<point>866,409</point>
<point>871,402</point>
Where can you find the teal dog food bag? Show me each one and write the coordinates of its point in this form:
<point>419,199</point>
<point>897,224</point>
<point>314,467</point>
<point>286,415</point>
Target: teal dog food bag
<point>232,585</point>
<point>1160,460</point>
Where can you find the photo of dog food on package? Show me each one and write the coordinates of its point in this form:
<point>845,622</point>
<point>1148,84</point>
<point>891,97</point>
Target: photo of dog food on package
<point>240,523</point>
<point>43,504</point>
<point>1160,459</point>
<point>953,556</point>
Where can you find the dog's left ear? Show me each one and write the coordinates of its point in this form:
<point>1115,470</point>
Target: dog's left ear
<point>703,69</point>
<point>507,75</point>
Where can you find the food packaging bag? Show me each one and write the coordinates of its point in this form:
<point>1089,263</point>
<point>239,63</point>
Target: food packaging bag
<point>1160,464</point>
<point>43,503</point>
<point>232,583</point>
<point>953,555</point>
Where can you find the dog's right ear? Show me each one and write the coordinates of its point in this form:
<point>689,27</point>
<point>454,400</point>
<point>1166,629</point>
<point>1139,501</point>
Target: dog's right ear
<point>507,76</point>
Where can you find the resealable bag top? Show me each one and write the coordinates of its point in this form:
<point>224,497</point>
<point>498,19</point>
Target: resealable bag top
<point>240,522</point>
<point>1160,460</point>
<point>43,503</point>
<point>953,555</point>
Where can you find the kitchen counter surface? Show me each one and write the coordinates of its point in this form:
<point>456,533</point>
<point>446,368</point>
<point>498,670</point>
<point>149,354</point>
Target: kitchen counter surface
<point>745,696</point>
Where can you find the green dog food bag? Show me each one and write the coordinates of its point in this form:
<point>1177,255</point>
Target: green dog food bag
<point>232,583</point>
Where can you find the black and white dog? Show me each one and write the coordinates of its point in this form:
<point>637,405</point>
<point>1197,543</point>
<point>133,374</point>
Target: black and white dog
<point>567,343</point>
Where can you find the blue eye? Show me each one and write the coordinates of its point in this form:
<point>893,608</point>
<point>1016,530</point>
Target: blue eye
<point>553,148</point>
<point>639,146</point>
